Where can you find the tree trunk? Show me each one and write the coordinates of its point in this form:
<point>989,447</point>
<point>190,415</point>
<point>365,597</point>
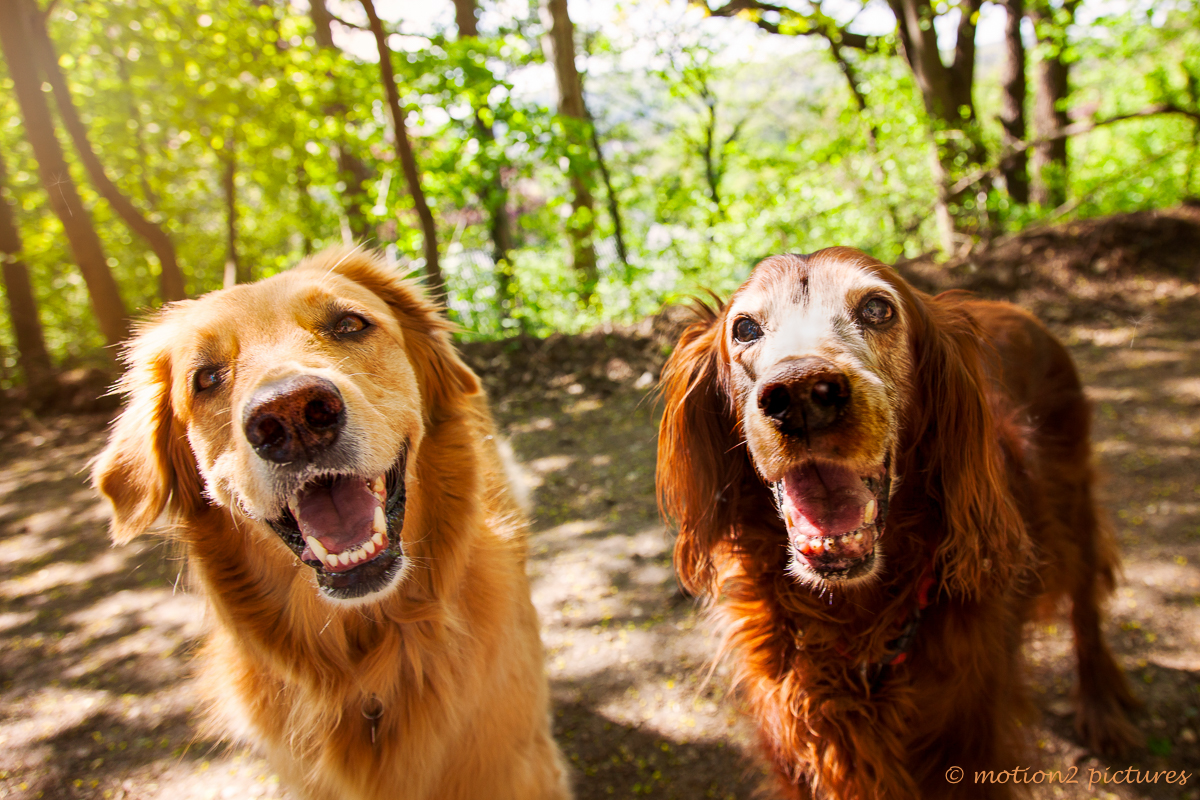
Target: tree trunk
<point>495,193</point>
<point>147,192</point>
<point>32,357</point>
<point>235,272</point>
<point>352,170</point>
<point>946,93</point>
<point>17,24</point>
<point>1014,165</point>
<point>404,152</point>
<point>171,285</point>
<point>614,208</point>
<point>1049,161</point>
<point>559,44</point>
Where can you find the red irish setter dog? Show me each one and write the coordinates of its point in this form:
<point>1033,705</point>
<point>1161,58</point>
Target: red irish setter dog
<point>878,489</point>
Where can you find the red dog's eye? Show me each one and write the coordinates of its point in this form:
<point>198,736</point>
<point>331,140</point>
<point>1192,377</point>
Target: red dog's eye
<point>351,323</point>
<point>746,330</point>
<point>207,377</point>
<point>876,311</point>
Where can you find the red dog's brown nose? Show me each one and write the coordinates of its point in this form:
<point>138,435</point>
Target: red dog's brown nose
<point>804,396</point>
<point>295,419</point>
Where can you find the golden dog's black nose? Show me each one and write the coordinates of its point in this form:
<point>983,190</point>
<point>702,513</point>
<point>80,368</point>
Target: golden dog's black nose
<point>295,419</point>
<point>804,395</point>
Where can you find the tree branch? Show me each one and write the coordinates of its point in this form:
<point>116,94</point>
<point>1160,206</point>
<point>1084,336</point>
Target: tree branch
<point>347,23</point>
<point>1074,129</point>
<point>733,8</point>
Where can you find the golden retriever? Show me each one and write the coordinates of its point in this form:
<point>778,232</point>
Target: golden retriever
<point>331,468</point>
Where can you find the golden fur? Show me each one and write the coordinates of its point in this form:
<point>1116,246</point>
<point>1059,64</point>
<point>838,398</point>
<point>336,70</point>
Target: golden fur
<point>431,686</point>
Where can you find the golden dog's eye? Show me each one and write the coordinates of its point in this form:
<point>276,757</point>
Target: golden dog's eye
<point>746,330</point>
<point>876,311</point>
<point>350,323</point>
<point>207,377</point>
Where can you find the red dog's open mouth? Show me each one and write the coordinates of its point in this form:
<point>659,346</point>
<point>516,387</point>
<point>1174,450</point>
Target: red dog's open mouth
<point>834,517</point>
<point>347,528</point>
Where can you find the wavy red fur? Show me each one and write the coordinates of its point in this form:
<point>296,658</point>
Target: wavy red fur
<point>994,499</point>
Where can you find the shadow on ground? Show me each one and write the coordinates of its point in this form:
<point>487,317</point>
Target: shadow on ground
<point>95,699</point>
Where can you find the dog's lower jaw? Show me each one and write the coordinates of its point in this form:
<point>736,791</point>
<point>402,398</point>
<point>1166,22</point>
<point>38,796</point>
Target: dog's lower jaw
<point>819,557</point>
<point>384,568</point>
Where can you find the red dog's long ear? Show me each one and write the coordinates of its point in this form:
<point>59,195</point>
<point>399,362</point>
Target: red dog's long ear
<point>147,466</point>
<point>700,463</point>
<point>956,452</point>
<point>443,375</point>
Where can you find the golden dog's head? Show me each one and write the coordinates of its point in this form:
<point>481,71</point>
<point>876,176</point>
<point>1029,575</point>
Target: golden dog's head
<point>296,402</point>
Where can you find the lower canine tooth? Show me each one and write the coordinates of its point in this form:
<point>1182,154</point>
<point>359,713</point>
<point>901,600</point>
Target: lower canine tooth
<point>317,548</point>
<point>379,538</point>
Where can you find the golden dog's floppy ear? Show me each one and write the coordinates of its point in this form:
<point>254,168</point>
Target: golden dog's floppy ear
<point>956,452</point>
<point>700,461</point>
<point>148,464</point>
<point>443,376</point>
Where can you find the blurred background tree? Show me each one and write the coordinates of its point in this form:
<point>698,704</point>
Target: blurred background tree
<point>553,165</point>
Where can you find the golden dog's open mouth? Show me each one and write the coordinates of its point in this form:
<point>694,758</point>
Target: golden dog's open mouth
<point>347,528</point>
<point>834,517</point>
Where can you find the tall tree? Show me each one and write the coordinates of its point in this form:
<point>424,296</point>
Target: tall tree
<point>559,44</point>
<point>404,151</point>
<point>1049,162</point>
<point>352,170</point>
<point>1014,163</point>
<point>495,193</point>
<point>18,22</point>
<point>171,285</point>
<point>946,89</point>
<point>236,271</point>
<point>32,357</point>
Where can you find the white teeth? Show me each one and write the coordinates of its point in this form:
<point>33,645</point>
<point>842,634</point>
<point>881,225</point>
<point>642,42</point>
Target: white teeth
<point>858,537</point>
<point>363,552</point>
<point>317,548</point>
<point>828,543</point>
<point>869,514</point>
<point>379,487</point>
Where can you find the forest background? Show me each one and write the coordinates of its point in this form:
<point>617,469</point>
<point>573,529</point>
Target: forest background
<point>551,168</point>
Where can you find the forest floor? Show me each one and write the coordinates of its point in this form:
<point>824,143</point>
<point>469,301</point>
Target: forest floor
<point>95,695</point>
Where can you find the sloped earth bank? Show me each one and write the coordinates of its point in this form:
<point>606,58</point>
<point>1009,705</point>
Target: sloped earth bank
<point>95,699</point>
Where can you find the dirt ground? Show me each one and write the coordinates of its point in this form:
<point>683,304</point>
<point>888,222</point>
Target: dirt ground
<point>95,695</point>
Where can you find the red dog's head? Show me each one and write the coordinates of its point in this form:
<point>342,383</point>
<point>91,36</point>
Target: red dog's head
<point>826,383</point>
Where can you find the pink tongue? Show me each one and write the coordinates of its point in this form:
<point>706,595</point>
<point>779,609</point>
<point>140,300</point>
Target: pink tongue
<point>338,515</point>
<point>823,500</point>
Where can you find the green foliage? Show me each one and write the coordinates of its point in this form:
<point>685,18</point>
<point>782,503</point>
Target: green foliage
<point>719,152</point>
